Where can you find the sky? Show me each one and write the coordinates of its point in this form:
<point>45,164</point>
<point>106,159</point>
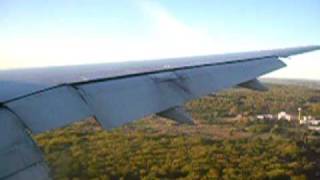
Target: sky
<point>37,33</point>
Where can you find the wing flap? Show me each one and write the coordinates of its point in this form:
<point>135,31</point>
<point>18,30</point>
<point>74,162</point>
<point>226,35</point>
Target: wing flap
<point>51,109</point>
<point>119,101</point>
<point>17,149</point>
<point>116,102</point>
<point>36,172</point>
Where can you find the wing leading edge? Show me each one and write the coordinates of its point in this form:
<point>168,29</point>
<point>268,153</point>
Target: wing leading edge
<point>115,97</point>
<point>19,83</point>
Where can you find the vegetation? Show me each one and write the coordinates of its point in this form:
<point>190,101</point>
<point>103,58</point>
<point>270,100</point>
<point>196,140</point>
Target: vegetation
<point>248,103</point>
<point>227,142</point>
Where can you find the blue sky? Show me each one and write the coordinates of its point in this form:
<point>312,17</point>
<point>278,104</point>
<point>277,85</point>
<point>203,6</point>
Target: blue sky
<point>59,32</point>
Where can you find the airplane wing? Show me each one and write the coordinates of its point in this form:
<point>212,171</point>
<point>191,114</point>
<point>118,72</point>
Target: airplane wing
<point>37,100</point>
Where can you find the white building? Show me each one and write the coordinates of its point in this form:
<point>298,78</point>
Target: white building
<point>265,117</point>
<point>303,121</point>
<point>308,117</point>
<point>284,116</point>
<point>314,128</point>
<point>314,122</point>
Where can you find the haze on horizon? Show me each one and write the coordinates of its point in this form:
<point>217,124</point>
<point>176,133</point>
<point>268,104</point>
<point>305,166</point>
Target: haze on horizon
<point>45,33</point>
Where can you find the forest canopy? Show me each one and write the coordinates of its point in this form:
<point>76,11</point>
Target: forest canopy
<point>218,146</point>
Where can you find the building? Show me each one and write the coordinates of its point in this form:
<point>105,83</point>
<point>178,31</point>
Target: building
<point>265,117</point>
<point>305,119</point>
<point>284,116</point>
<point>308,117</point>
<point>310,121</point>
<point>314,122</point>
<point>314,128</point>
